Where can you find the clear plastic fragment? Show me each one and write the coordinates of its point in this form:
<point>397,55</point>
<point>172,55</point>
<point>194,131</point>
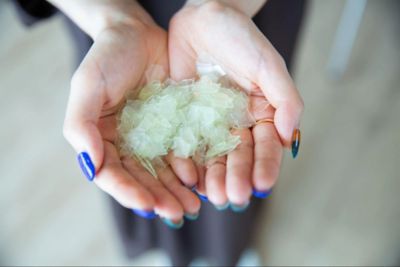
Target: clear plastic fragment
<point>190,118</point>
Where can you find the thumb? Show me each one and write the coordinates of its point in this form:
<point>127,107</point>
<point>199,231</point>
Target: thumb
<point>277,85</point>
<point>83,111</point>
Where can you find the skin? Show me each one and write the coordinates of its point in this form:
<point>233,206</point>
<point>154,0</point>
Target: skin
<point>126,43</point>
<point>115,65</point>
<point>222,31</point>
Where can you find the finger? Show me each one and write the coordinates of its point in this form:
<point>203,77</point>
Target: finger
<point>263,68</point>
<point>272,78</point>
<point>166,205</point>
<point>95,87</point>
<point>275,82</point>
<point>83,112</point>
<point>201,186</point>
<point>114,180</point>
<point>283,95</point>
<point>215,181</point>
<point>189,201</point>
<point>185,169</point>
<point>107,126</point>
<point>239,168</point>
<point>260,108</point>
<point>268,152</point>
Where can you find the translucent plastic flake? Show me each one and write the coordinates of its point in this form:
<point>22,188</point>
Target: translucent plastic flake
<point>190,118</point>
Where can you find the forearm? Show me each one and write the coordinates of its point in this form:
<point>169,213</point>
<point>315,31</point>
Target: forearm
<point>92,16</point>
<point>250,8</point>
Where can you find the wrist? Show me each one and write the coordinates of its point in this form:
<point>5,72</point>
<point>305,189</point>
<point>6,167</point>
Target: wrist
<point>94,16</point>
<point>248,8</point>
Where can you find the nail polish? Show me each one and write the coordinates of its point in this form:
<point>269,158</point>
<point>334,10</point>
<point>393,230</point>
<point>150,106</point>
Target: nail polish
<point>261,194</point>
<point>202,197</point>
<point>296,142</point>
<point>222,207</point>
<point>239,208</point>
<point>171,224</point>
<point>145,214</point>
<point>191,217</point>
<point>86,165</point>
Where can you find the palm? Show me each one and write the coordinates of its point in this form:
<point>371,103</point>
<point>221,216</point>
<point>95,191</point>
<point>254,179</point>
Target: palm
<point>235,43</point>
<point>117,63</point>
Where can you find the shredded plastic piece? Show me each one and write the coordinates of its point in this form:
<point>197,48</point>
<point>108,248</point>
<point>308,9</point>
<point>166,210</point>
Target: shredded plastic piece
<point>191,118</point>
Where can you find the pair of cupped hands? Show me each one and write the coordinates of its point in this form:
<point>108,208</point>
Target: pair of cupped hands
<point>125,46</point>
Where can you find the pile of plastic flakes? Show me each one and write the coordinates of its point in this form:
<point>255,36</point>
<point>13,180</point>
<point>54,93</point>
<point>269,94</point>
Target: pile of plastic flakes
<point>191,118</point>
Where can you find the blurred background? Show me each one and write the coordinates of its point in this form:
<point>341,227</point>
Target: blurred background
<point>337,204</point>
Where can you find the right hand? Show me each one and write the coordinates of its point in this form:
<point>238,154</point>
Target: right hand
<point>115,64</point>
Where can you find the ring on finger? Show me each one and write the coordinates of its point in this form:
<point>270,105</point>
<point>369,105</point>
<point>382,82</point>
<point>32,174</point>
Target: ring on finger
<point>264,121</point>
<point>214,163</point>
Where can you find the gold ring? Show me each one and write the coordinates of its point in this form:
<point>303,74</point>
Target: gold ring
<point>214,163</point>
<point>264,121</point>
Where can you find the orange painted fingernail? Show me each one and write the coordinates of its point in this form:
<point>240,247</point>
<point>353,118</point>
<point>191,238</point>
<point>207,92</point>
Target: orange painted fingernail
<point>295,142</point>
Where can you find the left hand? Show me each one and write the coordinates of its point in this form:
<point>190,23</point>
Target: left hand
<point>235,43</point>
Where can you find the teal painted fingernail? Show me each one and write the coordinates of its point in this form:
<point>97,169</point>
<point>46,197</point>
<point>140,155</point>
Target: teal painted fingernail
<point>222,207</point>
<point>239,208</point>
<point>296,142</point>
<point>171,224</point>
<point>191,217</point>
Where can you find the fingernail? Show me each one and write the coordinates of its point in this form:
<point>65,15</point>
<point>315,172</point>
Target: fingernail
<point>191,217</point>
<point>261,194</point>
<point>171,224</point>
<point>296,142</point>
<point>239,208</point>
<point>145,214</point>
<point>202,197</point>
<point>86,165</point>
<point>222,207</point>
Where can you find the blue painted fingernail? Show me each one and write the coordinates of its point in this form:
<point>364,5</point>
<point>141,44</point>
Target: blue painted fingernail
<point>145,214</point>
<point>262,194</point>
<point>239,208</point>
<point>202,197</point>
<point>296,142</point>
<point>222,207</point>
<point>86,165</point>
<point>171,224</point>
<point>191,217</point>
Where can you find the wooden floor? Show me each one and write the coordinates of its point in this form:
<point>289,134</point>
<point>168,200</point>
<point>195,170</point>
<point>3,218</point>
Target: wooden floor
<point>337,204</point>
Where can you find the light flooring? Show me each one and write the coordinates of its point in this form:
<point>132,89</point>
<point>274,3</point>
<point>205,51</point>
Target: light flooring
<point>337,204</point>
